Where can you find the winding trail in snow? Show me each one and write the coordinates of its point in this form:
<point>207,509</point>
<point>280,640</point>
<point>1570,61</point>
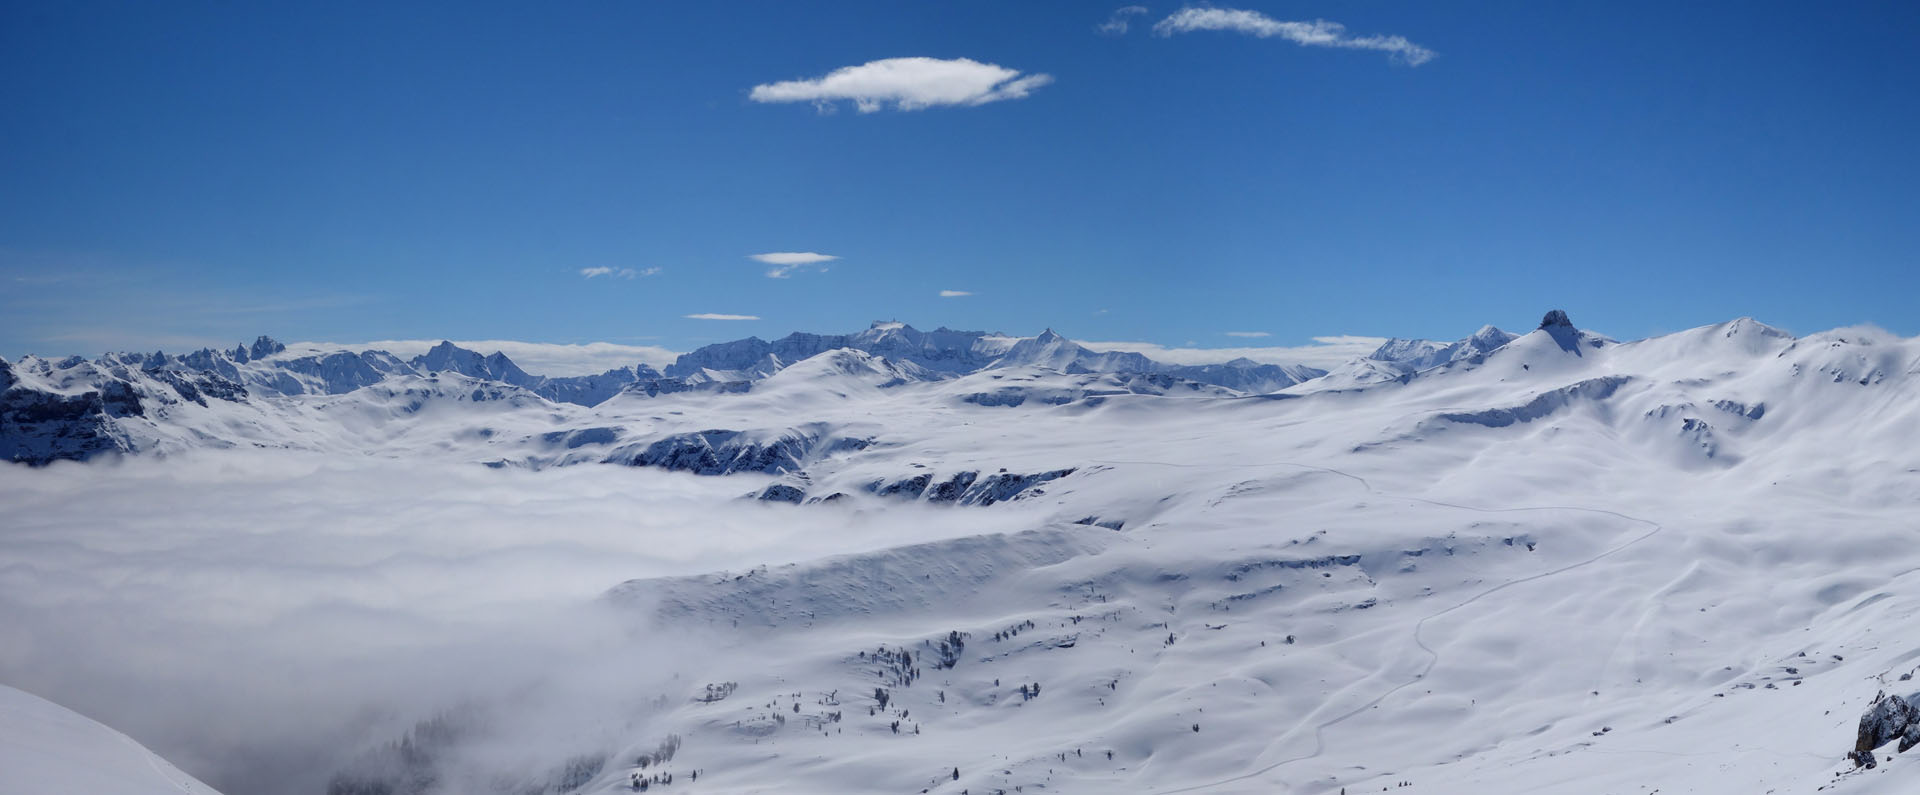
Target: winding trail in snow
<point>1419,627</point>
<point>154,761</point>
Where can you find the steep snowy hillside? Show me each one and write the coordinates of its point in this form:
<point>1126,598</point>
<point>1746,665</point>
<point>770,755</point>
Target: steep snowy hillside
<point>46,748</point>
<point>1544,563</point>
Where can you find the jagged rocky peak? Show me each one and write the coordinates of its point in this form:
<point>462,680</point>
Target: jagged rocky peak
<point>265,346</point>
<point>1558,327</point>
<point>1048,336</point>
<point>443,351</point>
<point>448,356</point>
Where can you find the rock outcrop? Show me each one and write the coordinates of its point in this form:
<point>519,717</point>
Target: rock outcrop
<point>1890,718</point>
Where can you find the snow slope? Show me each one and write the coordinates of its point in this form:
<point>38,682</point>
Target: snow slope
<point>1559,563</point>
<point>46,748</point>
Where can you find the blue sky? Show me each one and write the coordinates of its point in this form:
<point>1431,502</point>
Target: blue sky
<point>177,174</point>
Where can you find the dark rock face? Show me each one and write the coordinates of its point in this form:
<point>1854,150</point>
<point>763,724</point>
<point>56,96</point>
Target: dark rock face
<point>721,452</point>
<point>1753,412</point>
<point>968,488</point>
<point>265,346</point>
<point>1560,328</point>
<point>39,428</point>
<point>724,452</point>
<point>1007,486</point>
<point>781,492</point>
<point>910,488</point>
<point>196,387</point>
<point>953,488</point>
<point>1890,717</point>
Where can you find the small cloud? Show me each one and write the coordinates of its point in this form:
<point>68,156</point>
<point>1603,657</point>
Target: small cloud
<point>1318,33</point>
<point>1248,334</point>
<point>617,273</point>
<point>1116,25</point>
<point>716,316</point>
<point>794,258</point>
<point>954,293</point>
<point>905,84</point>
<point>1101,311</point>
<point>786,262</point>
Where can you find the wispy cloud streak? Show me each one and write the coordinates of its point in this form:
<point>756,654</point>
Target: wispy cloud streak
<point>1318,33</point>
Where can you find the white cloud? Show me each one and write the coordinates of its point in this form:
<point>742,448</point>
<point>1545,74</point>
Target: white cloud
<point>906,84</point>
<point>618,273</point>
<point>1116,25</point>
<point>1318,33</point>
<point>954,293</point>
<point>794,258</point>
<point>786,262</point>
<point>1324,353</point>
<point>1248,334</point>
<point>717,316</point>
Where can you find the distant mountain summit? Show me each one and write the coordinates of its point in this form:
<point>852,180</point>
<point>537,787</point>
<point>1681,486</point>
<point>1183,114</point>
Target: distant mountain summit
<point>945,352</point>
<point>942,350</point>
<point>1409,356</point>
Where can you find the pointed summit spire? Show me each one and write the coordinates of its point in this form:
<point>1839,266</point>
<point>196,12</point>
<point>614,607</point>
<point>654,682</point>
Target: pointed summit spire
<point>1558,326</point>
<point>265,346</point>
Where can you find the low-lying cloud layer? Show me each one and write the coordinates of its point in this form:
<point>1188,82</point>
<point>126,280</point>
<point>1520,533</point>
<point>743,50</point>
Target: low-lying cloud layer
<point>261,618</point>
<point>1324,353</point>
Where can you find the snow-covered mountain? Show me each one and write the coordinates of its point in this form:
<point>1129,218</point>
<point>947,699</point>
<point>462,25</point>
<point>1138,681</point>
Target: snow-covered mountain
<point>1549,562</point>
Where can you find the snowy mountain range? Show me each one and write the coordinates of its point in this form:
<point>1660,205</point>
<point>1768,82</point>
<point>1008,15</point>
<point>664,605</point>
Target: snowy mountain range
<point>74,408</point>
<point>1545,562</point>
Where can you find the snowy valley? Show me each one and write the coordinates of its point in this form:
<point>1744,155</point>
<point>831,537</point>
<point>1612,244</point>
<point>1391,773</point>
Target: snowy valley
<point>901,561</point>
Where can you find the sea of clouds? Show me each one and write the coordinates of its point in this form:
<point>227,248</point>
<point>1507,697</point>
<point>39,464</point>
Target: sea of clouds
<point>262,618</point>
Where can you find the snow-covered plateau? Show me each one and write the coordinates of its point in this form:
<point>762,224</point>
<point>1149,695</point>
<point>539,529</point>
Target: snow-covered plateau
<point>954,562</point>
